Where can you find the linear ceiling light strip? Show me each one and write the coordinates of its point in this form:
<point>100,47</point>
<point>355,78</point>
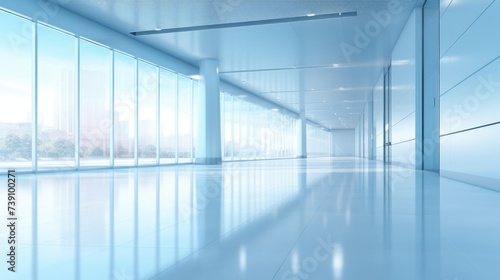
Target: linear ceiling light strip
<point>242,24</point>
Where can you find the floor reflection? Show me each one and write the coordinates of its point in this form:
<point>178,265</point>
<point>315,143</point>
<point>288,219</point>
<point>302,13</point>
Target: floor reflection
<point>284,219</point>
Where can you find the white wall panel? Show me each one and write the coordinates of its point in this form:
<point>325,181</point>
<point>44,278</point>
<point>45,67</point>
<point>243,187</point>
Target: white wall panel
<point>473,152</point>
<point>478,46</point>
<point>470,92</point>
<point>474,102</point>
<point>403,78</point>
<point>343,142</point>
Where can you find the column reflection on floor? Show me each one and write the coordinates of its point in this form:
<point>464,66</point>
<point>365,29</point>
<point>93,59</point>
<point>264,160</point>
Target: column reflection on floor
<point>428,226</point>
<point>34,229</point>
<point>77,226</point>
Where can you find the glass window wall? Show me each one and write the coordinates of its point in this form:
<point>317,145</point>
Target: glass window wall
<point>94,106</point>
<point>253,132</point>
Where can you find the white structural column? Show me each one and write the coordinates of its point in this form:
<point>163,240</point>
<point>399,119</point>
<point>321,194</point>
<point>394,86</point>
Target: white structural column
<point>302,128</point>
<point>427,103</point>
<point>34,103</point>
<point>208,148</point>
<point>431,101</point>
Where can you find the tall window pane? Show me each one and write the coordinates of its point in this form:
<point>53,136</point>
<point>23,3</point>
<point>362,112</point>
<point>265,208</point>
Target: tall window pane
<point>236,129</point>
<point>148,92</point>
<point>251,131</point>
<point>311,148</point>
<point>222,124</point>
<point>264,134</point>
<point>244,115</point>
<point>185,119</point>
<point>124,127</point>
<point>15,92</point>
<point>56,98</point>
<point>228,127</point>
<point>195,106</point>
<point>95,99</point>
<point>260,132</point>
<point>168,107</point>
<point>295,138</point>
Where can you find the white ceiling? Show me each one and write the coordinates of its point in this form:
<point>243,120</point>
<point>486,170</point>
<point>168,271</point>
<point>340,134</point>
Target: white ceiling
<point>277,61</point>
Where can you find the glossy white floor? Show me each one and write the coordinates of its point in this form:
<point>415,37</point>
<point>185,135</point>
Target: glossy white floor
<point>282,219</point>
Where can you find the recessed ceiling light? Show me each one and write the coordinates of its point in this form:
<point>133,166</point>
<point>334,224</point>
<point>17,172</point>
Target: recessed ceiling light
<point>311,14</point>
<point>275,109</point>
<point>158,29</point>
